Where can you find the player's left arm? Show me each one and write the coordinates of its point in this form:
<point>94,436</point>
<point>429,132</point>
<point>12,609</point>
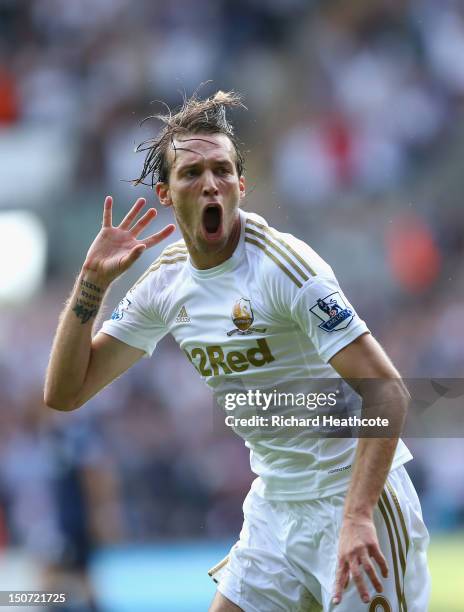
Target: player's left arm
<point>364,364</point>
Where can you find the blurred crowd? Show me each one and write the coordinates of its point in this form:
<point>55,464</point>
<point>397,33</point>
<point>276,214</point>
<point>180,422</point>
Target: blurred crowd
<point>354,136</point>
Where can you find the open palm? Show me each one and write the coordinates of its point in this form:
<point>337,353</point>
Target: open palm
<point>115,249</point>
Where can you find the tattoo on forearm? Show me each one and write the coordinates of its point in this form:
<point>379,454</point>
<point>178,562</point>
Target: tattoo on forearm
<point>88,301</point>
<point>91,286</point>
<point>84,313</point>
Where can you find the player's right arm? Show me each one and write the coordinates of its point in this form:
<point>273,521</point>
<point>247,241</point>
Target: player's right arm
<point>79,364</point>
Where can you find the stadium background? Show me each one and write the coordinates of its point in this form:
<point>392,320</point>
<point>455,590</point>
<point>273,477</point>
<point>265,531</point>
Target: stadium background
<point>355,139</point>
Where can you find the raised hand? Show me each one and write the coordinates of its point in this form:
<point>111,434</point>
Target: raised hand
<point>115,249</point>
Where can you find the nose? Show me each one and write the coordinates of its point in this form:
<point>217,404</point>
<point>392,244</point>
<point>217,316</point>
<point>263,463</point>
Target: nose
<point>209,184</point>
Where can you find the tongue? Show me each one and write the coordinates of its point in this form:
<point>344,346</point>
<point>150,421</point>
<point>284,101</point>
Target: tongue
<point>212,220</point>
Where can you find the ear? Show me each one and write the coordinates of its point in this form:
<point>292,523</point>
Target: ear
<point>164,194</point>
<point>241,186</point>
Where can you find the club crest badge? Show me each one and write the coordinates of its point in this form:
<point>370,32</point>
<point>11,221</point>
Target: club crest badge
<point>332,312</point>
<point>120,309</point>
<point>243,317</point>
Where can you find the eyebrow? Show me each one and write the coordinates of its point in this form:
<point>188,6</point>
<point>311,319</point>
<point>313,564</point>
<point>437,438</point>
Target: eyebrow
<point>218,162</point>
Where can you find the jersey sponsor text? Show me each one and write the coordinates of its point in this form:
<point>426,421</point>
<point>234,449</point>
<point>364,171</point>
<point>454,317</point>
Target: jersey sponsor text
<point>211,360</point>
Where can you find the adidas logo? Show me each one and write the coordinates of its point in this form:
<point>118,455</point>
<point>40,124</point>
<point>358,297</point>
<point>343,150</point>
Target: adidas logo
<point>183,317</point>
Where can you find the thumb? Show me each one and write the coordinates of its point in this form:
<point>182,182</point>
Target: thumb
<point>132,256</point>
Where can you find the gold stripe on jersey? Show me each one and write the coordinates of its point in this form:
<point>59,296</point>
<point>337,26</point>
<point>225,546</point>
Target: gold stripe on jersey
<point>401,603</point>
<point>386,501</point>
<point>281,252</point>
<point>298,257</point>
<point>391,490</point>
<point>161,260</point>
<point>379,603</point>
<point>214,570</point>
<point>284,269</point>
<point>177,243</point>
<point>180,244</point>
<point>403,556</point>
<point>172,251</point>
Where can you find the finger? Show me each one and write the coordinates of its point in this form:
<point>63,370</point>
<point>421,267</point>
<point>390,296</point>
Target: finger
<point>358,579</point>
<point>159,236</point>
<point>376,553</point>
<point>131,215</point>
<point>126,261</point>
<point>370,571</point>
<point>107,212</point>
<point>341,580</point>
<point>143,222</point>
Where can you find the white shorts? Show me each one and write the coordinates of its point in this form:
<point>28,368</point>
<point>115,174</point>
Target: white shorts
<point>286,557</point>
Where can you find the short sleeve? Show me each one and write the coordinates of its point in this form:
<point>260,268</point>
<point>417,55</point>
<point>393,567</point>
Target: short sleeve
<point>323,312</point>
<point>135,320</point>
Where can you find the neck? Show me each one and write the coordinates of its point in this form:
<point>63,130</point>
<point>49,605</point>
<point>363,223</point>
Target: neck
<point>204,260</point>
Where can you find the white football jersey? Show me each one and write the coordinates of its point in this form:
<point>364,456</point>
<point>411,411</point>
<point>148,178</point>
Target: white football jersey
<point>267,320</point>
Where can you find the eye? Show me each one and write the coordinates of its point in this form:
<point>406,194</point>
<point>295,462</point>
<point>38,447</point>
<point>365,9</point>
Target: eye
<point>223,170</point>
<point>191,172</point>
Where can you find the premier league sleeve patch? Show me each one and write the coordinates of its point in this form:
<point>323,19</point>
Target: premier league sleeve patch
<point>333,312</point>
<point>121,308</point>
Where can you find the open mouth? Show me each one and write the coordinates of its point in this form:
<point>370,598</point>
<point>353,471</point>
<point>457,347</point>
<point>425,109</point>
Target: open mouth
<point>212,217</point>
